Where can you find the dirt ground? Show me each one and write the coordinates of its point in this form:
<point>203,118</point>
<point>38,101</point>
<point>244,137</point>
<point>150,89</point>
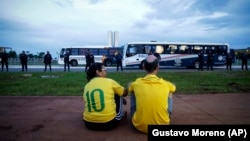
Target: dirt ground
<point>50,118</point>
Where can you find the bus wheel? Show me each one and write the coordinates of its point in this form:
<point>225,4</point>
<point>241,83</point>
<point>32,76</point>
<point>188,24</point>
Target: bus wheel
<point>74,63</point>
<point>108,63</point>
<point>141,65</point>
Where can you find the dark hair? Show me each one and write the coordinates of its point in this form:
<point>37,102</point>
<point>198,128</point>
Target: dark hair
<point>91,73</point>
<point>150,66</point>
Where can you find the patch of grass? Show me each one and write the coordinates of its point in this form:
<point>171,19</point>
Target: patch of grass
<point>72,83</point>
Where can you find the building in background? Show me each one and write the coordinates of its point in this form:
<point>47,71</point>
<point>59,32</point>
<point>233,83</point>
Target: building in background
<point>113,39</point>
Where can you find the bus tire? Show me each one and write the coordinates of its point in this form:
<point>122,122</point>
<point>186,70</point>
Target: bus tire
<point>74,63</point>
<point>108,63</point>
<point>141,65</point>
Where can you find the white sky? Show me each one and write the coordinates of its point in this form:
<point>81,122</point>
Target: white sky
<point>41,25</point>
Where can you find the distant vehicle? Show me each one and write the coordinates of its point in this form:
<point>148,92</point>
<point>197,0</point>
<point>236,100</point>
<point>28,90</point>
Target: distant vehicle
<point>103,54</point>
<point>179,54</point>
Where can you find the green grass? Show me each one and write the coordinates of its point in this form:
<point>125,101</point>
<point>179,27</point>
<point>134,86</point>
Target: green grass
<point>72,83</point>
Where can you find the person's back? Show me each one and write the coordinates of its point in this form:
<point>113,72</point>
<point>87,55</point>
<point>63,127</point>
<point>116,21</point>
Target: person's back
<point>118,57</point>
<point>66,61</point>
<point>150,95</point>
<point>229,61</point>
<point>91,58</point>
<point>5,57</point>
<point>102,99</point>
<point>210,58</point>
<point>118,61</point>
<point>201,60</point>
<point>87,58</point>
<point>244,61</point>
<point>24,60</point>
<point>47,60</point>
<point>103,113</point>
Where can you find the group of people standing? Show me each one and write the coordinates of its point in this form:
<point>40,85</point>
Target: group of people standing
<point>243,61</point>
<point>209,60</point>
<point>90,59</point>
<point>228,59</point>
<point>23,57</point>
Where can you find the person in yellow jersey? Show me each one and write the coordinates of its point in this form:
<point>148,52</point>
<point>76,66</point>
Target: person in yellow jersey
<point>103,100</point>
<point>151,98</point>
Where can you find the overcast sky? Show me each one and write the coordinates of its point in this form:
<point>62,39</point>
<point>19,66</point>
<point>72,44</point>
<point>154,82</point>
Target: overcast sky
<point>48,25</point>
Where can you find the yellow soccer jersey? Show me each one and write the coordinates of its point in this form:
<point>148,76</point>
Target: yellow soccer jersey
<point>99,99</point>
<point>151,95</point>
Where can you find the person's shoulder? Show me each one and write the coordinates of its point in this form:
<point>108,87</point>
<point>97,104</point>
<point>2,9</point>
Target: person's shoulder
<point>138,80</point>
<point>108,80</point>
<point>164,80</point>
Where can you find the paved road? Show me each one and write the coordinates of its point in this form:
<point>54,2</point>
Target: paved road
<point>51,118</point>
<point>57,68</point>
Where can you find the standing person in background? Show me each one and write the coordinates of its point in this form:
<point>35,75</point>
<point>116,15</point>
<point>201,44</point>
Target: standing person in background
<point>103,99</point>
<point>24,60</point>
<point>244,61</point>
<point>4,60</point>
<point>47,61</point>
<point>229,61</point>
<point>90,59</point>
<point>210,60</point>
<point>87,58</point>
<point>201,60</point>
<point>66,61</point>
<point>151,98</point>
<point>118,61</point>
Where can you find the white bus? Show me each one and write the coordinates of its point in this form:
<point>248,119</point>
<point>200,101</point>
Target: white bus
<point>179,54</point>
<point>102,54</point>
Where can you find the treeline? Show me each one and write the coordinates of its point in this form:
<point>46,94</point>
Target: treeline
<point>13,54</point>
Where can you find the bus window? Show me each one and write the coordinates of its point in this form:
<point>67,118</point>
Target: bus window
<point>147,49</point>
<point>189,48</point>
<point>173,49</point>
<point>94,51</point>
<point>159,49</point>
<point>197,49</point>
<point>221,49</point>
<point>103,52</point>
<point>131,51</point>
<point>167,49</point>
<point>74,51</point>
<point>183,49</point>
<point>81,51</point>
<point>213,50</point>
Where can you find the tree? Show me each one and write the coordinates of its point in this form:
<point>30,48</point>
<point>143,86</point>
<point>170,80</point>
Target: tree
<point>12,54</point>
<point>30,55</point>
<point>41,54</point>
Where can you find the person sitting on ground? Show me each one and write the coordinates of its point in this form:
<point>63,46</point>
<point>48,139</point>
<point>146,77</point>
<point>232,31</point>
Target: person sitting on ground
<point>151,98</point>
<point>103,98</point>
